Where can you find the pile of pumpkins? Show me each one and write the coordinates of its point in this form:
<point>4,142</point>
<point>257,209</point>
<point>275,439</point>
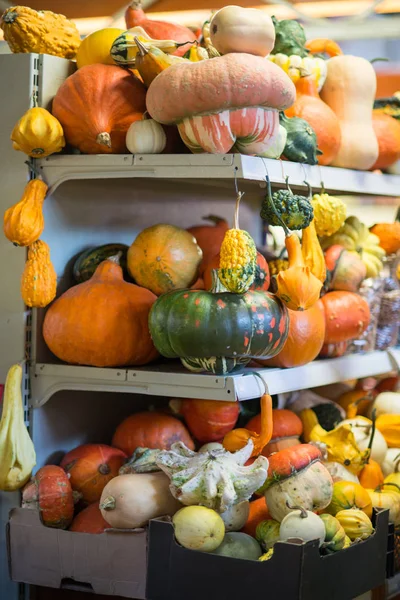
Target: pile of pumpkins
<point>222,91</point>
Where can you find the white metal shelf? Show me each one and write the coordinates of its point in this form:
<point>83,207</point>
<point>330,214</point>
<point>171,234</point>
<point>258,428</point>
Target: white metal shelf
<point>172,380</point>
<point>58,169</point>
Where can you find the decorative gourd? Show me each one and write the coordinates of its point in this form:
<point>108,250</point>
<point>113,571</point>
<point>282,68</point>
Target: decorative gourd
<point>387,131</point>
<point>389,106</point>
<point>237,29</point>
<point>347,316</point>
<point>290,37</point>
<point>151,61</point>
<point>96,106</point>
<point>390,465</point>
<point>328,416</point>
<point>286,209</point>
<point>356,524</point>
<point>339,473</point>
<point>261,276</point>
<point>146,137</point>
<point>329,213</point>
<point>302,524</point>
<point>301,141</point>
<point>296,67</point>
<point>276,265</point>
<point>87,262</point>
<point>125,49</point>
<point>143,460</point>
<point>319,116</point>
<point>387,497</point>
<point>24,222</point>
<point>94,308</point>
<point>160,30</point>
<point>241,114</point>
<point>150,430</point>
<point>130,501</point>
<point>389,236</point>
<point>389,426</point>
<point>346,271</point>
<point>358,399</point>
<point>258,513</point>
<point>176,325</point>
<point>95,47</point>
<point>39,279</point>
<point>90,467</point>
<point>349,90</point>
<point>236,516</point>
<point>305,339</point>
<point>387,403</point>
<point>196,53</point>
<point>89,520</point>
<point>286,430</point>
<point>341,445</point>
<point>371,476</point>
<point>209,238</point>
<point>198,528</point>
<point>164,258</point>
<point>362,428</point>
<point>312,252</point>
<point>38,134</point>
<point>50,492</point>
<point>239,545</point>
<point>267,533</point>
<point>335,535</point>
<point>297,475</point>
<point>216,479</point>
<point>16,448</point>
<point>347,495</point>
<point>40,32</point>
<point>209,420</point>
<point>323,46</point>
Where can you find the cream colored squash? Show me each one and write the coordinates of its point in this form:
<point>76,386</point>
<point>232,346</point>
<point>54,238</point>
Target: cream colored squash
<point>146,137</point>
<point>361,428</point>
<point>391,462</point>
<point>302,524</point>
<point>236,516</point>
<point>198,528</point>
<point>349,90</point>
<point>237,29</point>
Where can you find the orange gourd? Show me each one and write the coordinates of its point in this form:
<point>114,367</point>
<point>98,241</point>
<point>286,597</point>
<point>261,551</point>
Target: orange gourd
<point>389,236</point>
<point>89,520</point>
<point>24,222</point>
<point>347,316</point>
<point>39,279</point>
<point>311,108</point>
<point>286,431</point>
<point>387,131</point>
<point>323,46</point>
<point>371,476</point>
<point>102,322</point>
<point>209,420</point>
<point>258,512</point>
<point>209,238</point>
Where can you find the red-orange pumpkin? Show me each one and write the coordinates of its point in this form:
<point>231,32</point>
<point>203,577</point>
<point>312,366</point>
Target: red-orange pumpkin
<point>346,316</point>
<point>209,238</point>
<point>305,339</point>
<point>346,270</point>
<point>150,430</point>
<point>287,429</point>
<point>387,131</point>
<point>90,467</point>
<point>261,279</point>
<point>96,106</point>
<point>50,492</point>
<point>89,520</point>
<point>209,420</point>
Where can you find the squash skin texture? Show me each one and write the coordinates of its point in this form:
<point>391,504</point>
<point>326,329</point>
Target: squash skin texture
<point>347,316</point>
<point>237,29</point>
<point>38,134</point>
<point>39,279</point>
<point>24,222</point>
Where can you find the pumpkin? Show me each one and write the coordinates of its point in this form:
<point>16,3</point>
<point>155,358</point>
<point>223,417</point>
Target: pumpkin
<point>312,252</point>
<point>335,536</point>
<point>346,271</point>
<point>267,533</point>
<point>95,309</point>
<point>198,528</point>
<point>50,492</point>
<point>146,137</point>
<point>261,276</point>
<point>283,208</point>
<point>387,131</point>
<point>130,501</point>
<point>241,114</point>
<point>339,473</point>
<point>237,29</point>
<point>358,398</point>
<point>209,330</point>
<point>133,44</point>
<point>24,222</point>
<point>347,495</point>
<point>40,32</point>
<point>39,279</point>
<point>16,448</point>
<point>209,420</point>
<point>387,403</point>
<point>286,430</point>
<point>239,545</point>
<point>362,428</point>
<point>209,238</point>
<point>258,513</point>
<point>96,106</point>
<point>329,213</point>
<point>90,467</point>
<point>371,476</point>
<point>150,430</point>
<point>356,524</point>
<point>151,61</point>
<point>296,474</point>
<point>301,141</point>
<point>38,134</point>
<point>302,524</point>
<point>227,483</point>
<point>389,236</point>
<point>160,30</point>
<point>89,520</point>
<point>390,466</point>
<point>389,426</point>
<point>236,516</point>
<point>347,316</point>
<point>164,258</point>
<point>323,46</point>
<point>386,497</point>
<point>349,90</point>
<point>87,262</point>
<point>95,48</point>
<point>319,116</point>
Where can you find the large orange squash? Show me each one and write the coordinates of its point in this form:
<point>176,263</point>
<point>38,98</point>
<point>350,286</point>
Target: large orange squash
<point>96,106</point>
<point>320,116</point>
<point>150,430</point>
<point>387,131</point>
<point>89,520</point>
<point>261,278</point>
<point>209,420</point>
<point>209,238</point>
<point>305,339</point>
<point>102,322</point>
<point>347,316</point>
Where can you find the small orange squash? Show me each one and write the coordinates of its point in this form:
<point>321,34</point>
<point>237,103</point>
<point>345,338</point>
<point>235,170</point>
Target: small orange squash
<point>24,222</point>
<point>387,131</point>
<point>39,279</point>
<point>389,236</point>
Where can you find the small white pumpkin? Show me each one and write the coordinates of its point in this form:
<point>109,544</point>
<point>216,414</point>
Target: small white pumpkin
<point>339,473</point>
<point>361,428</point>
<point>391,463</point>
<point>387,403</point>
<point>302,524</point>
<point>236,516</point>
<point>146,137</point>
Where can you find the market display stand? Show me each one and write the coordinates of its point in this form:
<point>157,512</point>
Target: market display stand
<point>101,199</point>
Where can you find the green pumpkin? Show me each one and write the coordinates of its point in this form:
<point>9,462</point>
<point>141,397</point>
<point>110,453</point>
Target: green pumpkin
<point>301,141</point>
<point>218,331</point>
<point>335,535</point>
<point>87,262</point>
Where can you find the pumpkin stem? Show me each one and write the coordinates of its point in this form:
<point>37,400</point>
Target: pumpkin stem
<point>303,512</point>
<point>271,201</point>
<point>104,139</point>
<point>76,496</point>
<point>371,439</point>
<point>141,47</point>
<point>116,258</point>
<point>236,217</point>
<point>108,504</point>
<point>382,485</point>
<point>104,469</point>
<point>136,5</point>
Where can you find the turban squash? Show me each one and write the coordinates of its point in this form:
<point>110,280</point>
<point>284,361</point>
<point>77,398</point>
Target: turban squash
<point>230,101</point>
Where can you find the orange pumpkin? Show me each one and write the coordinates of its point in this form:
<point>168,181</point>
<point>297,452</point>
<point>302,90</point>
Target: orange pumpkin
<point>347,316</point>
<point>261,278</point>
<point>387,131</point>
<point>209,238</point>
<point>258,512</point>
<point>90,467</point>
<point>209,420</point>
<point>389,236</point>
<point>96,106</point>
<point>164,258</point>
<point>320,116</point>
<point>102,322</point>
<point>150,430</point>
<point>305,339</point>
<point>89,520</point>
<point>286,431</point>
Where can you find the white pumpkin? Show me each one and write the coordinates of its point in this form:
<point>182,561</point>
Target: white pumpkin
<point>146,137</point>
<point>339,473</point>
<point>392,458</point>
<point>361,428</point>
<point>304,525</point>
<point>387,403</point>
<point>198,528</point>
<point>236,516</point>
<point>237,29</point>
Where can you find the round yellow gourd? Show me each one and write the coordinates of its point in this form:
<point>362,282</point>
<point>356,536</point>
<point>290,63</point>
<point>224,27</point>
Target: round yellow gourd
<point>355,523</point>
<point>387,498</point>
<point>198,528</point>
<point>96,47</point>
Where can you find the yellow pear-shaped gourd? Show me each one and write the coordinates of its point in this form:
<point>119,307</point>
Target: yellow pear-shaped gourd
<point>24,222</point>
<point>16,448</point>
<point>39,279</point>
<point>38,134</point>
<point>312,252</point>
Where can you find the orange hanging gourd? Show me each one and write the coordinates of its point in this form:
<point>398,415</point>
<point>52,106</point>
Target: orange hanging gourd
<point>24,222</point>
<point>371,476</point>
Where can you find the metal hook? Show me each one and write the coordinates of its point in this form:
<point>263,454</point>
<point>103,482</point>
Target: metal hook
<point>283,170</point>
<point>322,185</point>
<point>236,181</point>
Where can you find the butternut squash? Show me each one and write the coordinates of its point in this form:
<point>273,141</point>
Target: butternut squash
<point>349,90</point>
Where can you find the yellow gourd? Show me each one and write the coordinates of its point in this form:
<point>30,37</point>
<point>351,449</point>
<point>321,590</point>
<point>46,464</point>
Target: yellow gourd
<point>16,448</point>
<point>95,48</point>
<point>355,523</point>
<point>38,134</point>
<point>39,279</point>
<point>24,222</point>
<point>312,252</point>
<point>386,497</point>
<point>329,213</point>
<point>389,426</point>
<point>151,61</point>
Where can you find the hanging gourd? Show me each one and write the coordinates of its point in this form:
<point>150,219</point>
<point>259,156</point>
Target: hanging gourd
<point>294,210</point>
<point>371,476</point>
<point>146,137</point>
<point>312,252</point>
<point>38,133</point>
<point>329,213</point>
<point>39,279</point>
<point>24,222</point>
<point>301,141</point>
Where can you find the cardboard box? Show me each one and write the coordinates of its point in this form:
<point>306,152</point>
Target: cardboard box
<point>113,563</point>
